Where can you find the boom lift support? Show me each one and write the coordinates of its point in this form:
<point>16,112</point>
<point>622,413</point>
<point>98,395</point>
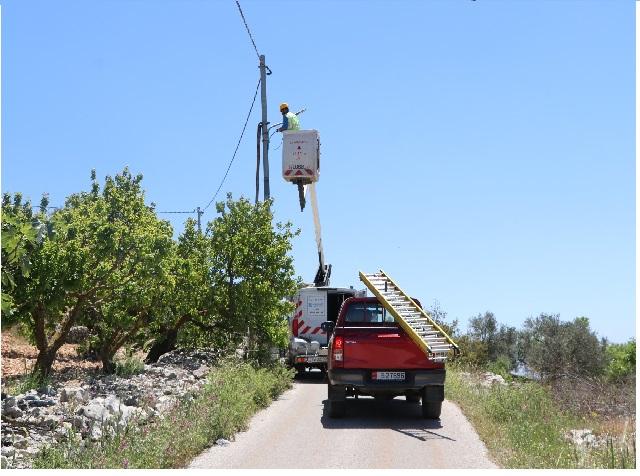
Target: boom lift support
<point>301,166</point>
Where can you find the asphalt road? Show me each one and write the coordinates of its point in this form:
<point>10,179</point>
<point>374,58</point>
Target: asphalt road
<point>296,432</point>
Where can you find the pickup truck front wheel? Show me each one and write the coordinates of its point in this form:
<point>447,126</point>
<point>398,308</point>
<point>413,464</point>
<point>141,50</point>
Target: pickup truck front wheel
<point>337,395</point>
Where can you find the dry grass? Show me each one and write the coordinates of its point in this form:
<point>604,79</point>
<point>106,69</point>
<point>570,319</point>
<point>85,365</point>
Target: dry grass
<point>525,426</point>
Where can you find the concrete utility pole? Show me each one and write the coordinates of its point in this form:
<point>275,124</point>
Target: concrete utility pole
<point>199,212</point>
<point>265,128</point>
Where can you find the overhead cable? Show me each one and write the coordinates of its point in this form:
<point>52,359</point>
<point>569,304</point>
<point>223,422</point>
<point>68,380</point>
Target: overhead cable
<point>248,30</point>
<point>237,146</point>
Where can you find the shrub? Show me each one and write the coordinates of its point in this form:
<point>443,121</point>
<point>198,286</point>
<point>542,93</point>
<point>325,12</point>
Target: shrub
<point>621,360</point>
<point>131,365</point>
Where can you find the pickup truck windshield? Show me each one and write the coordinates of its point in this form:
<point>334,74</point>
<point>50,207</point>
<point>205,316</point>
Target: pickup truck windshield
<point>368,314</point>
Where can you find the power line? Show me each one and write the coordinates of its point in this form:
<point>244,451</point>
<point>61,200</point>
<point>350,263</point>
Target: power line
<point>192,211</point>
<point>237,146</point>
<point>248,31</point>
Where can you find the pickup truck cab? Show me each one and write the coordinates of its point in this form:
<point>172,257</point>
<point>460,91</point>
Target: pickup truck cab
<point>370,354</point>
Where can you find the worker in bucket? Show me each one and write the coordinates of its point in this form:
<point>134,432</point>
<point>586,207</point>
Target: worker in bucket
<point>290,121</point>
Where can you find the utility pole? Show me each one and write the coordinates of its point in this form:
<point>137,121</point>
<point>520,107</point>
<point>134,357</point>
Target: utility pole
<point>265,128</point>
<point>199,212</point>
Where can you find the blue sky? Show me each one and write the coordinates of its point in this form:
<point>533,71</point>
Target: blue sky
<point>482,153</point>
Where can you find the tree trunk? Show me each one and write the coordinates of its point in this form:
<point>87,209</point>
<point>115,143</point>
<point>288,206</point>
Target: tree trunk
<point>48,348</point>
<point>165,342</point>
<point>44,362</point>
<point>108,365</point>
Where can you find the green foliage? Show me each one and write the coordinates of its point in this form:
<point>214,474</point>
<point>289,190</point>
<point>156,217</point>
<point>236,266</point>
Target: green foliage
<point>251,273</point>
<point>621,360</point>
<point>233,393</point>
<point>22,231</point>
<point>555,348</point>
<point>101,266</point>
<point>500,366</point>
<point>473,353</point>
<point>24,383</point>
<point>131,365</point>
<point>139,260</point>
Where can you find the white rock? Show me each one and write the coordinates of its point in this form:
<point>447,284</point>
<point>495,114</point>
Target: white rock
<point>78,395</point>
<point>96,433</point>
<point>489,379</point>
<point>4,462</point>
<point>95,411</point>
<point>8,451</point>
<point>583,437</point>
<point>20,442</point>
<point>201,372</point>
<point>222,442</point>
<point>112,403</point>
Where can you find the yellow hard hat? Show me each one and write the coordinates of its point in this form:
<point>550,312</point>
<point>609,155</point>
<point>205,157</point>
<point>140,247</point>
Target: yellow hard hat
<point>283,106</point>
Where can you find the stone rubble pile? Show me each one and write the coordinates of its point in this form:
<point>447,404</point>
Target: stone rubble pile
<point>490,379</point>
<point>52,414</point>
<point>583,438</point>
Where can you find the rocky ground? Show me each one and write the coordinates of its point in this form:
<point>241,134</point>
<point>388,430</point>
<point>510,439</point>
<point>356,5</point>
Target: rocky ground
<point>18,357</point>
<point>87,405</point>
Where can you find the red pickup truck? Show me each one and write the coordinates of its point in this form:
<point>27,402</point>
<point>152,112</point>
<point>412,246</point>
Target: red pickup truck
<point>369,354</point>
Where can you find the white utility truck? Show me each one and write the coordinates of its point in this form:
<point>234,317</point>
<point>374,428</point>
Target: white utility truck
<point>315,303</point>
<point>307,341</point>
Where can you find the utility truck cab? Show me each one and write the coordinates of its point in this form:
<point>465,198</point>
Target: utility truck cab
<point>307,341</point>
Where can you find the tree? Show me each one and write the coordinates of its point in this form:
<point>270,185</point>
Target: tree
<point>99,251</point>
<point>144,281</point>
<point>483,327</point>
<point>621,360</point>
<point>556,349</point>
<point>440,316</point>
<point>189,300</point>
<point>504,344</point>
<point>22,231</point>
<point>251,275</point>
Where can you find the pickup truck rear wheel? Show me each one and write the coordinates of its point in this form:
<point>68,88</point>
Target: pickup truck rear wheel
<point>337,409</point>
<point>431,410</point>
<point>337,400</point>
<point>413,398</point>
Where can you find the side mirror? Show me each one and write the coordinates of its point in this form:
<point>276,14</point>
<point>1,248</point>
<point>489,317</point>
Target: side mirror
<point>328,327</point>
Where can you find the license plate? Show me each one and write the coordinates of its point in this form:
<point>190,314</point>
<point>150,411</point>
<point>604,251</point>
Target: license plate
<point>387,375</point>
<point>314,360</point>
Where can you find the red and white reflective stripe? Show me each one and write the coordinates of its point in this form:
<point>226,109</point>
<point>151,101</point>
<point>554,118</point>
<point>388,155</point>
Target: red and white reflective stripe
<point>287,172</point>
<point>316,330</point>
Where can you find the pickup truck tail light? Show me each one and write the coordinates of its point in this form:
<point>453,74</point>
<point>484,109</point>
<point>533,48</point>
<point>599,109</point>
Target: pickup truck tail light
<point>338,351</point>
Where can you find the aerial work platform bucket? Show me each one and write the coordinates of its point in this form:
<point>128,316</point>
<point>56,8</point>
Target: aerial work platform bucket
<point>301,156</point>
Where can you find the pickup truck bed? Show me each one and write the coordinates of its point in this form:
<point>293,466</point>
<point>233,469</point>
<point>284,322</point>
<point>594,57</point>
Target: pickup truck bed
<point>369,354</point>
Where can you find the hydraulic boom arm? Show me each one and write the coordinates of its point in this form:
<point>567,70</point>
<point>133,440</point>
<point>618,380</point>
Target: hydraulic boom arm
<point>324,271</point>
